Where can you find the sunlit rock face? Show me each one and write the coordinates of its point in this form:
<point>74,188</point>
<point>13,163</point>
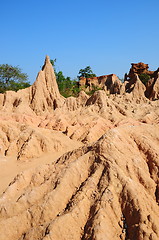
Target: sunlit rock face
<point>80,168</point>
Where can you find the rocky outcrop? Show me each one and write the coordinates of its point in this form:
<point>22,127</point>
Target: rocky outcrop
<point>132,83</point>
<point>151,88</point>
<point>44,93</point>
<point>41,98</point>
<point>139,68</point>
<point>110,83</point>
<point>135,87</point>
<point>155,90</point>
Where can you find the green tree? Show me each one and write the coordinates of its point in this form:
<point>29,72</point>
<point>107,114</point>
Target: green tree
<point>144,78</point>
<point>60,80</point>
<point>11,78</point>
<point>86,72</point>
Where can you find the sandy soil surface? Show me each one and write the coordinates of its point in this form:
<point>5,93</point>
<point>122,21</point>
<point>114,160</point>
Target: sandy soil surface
<point>10,167</point>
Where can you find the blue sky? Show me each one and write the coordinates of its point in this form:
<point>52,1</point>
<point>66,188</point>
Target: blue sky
<point>106,35</point>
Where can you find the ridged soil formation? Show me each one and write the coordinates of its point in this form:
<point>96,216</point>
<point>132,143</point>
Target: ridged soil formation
<point>78,168</point>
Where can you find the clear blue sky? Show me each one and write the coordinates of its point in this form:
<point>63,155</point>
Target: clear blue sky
<point>106,35</point>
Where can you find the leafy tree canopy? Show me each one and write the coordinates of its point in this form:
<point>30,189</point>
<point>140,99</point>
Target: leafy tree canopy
<point>144,78</point>
<point>11,78</point>
<point>86,72</point>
